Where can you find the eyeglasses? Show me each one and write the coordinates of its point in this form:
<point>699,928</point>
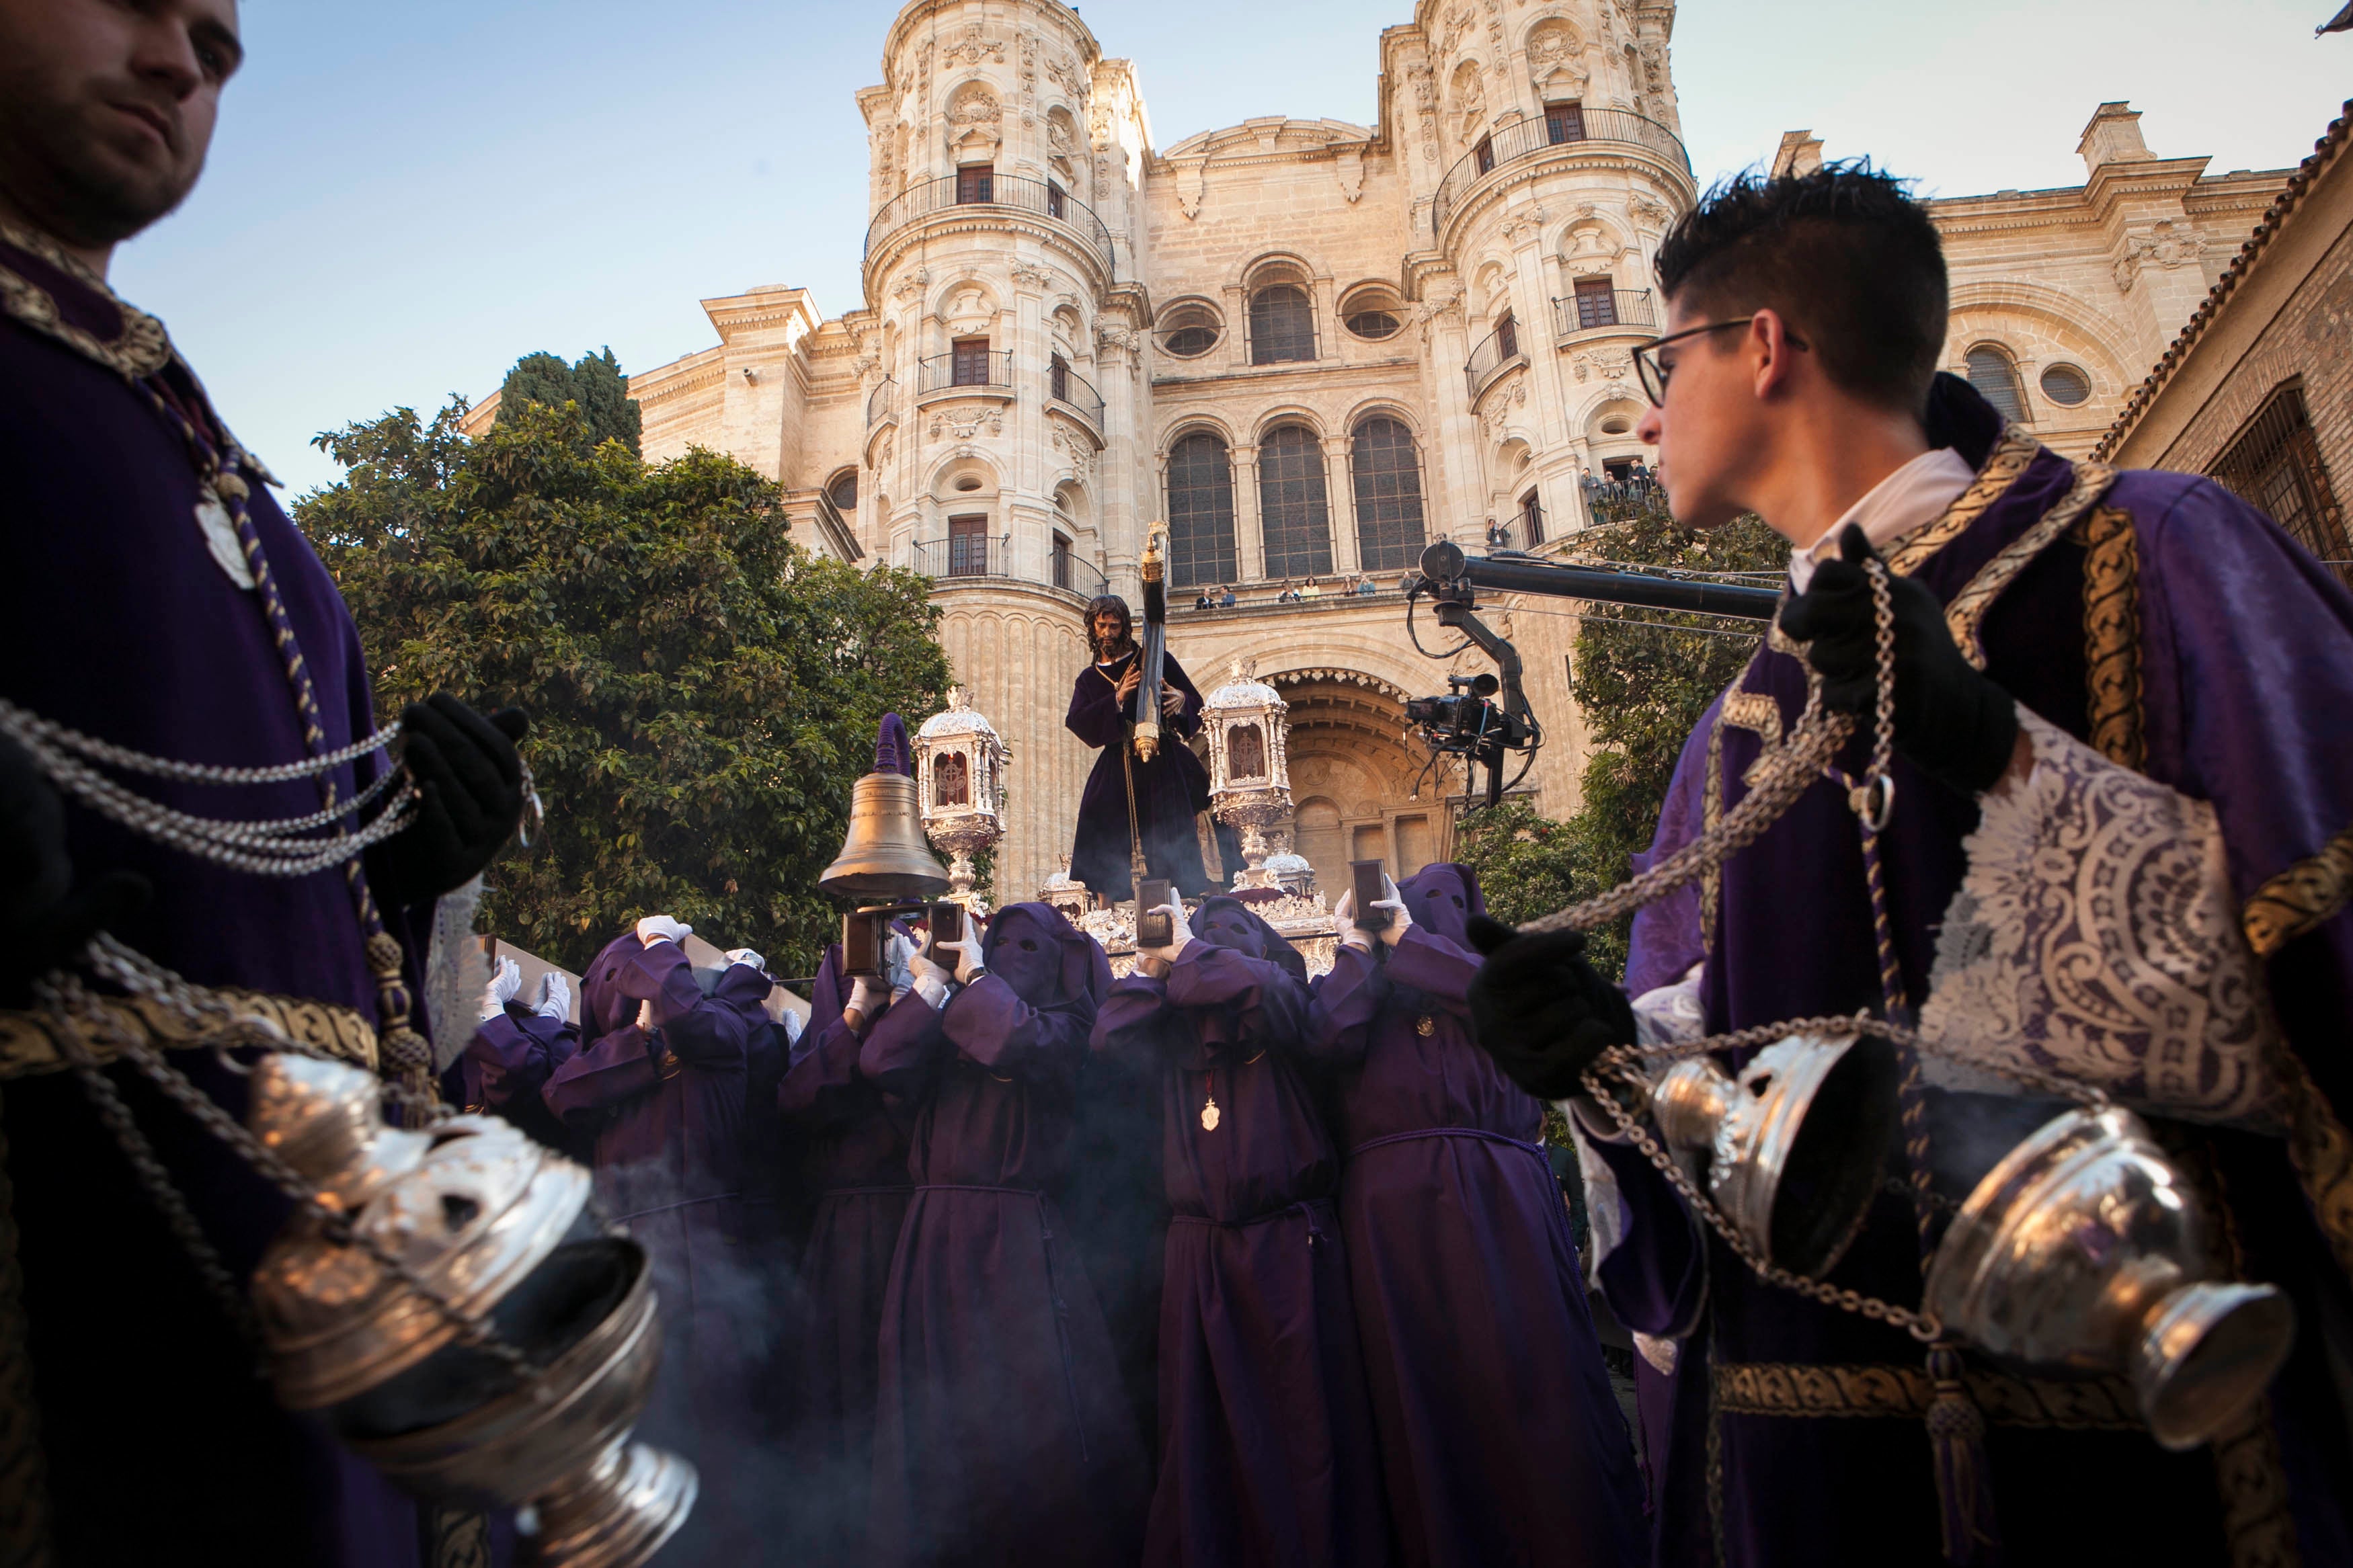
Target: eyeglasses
<point>1655,372</point>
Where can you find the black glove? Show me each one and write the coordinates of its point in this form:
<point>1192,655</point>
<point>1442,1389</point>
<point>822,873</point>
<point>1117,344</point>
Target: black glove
<point>470,782</point>
<point>1541,1010</point>
<point>1951,721</point>
<point>45,918</point>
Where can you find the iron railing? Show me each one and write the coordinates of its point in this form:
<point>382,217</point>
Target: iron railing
<point>1527,138</point>
<point>878,401</point>
<point>1039,198</point>
<point>944,372</point>
<point>983,555</point>
<point>1598,312</point>
<point>1497,352</point>
<point>1067,386</point>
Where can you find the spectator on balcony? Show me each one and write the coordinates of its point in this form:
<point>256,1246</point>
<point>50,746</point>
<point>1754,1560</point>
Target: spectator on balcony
<point>1290,595</point>
<point>1312,590</point>
<point>1365,588</point>
<point>1499,537</point>
<point>1637,477</point>
<point>1590,488</point>
<point>1201,600</point>
<point>1226,597</point>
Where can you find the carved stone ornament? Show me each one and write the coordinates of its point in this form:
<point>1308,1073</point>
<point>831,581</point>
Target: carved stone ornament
<point>973,104</point>
<point>1648,211</point>
<point>964,425</point>
<point>910,285</point>
<point>1192,185</point>
<point>1606,363</point>
<point>1350,166</point>
<point>1030,277</point>
<point>970,46</point>
<point>1526,227</point>
<point>1064,73</point>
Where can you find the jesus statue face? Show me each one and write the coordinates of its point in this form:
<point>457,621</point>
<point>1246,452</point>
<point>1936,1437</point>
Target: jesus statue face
<point>1108,633</point>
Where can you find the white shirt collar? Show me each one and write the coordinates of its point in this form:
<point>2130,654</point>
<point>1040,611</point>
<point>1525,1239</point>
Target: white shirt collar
<point>1911,498</point>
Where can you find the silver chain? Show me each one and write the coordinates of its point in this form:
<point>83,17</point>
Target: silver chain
<point>23,726</point>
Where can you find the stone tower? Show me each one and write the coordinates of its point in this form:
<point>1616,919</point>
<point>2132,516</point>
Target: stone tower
<point>1000,370</point>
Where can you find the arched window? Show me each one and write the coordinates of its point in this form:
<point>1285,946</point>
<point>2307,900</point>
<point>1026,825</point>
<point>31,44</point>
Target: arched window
<point>842,491</point>
<point>1201,511</point>
<point>1282,324</point>
<point>1294,511</point>
<point>1996,379</point>
<point>1387,473</point>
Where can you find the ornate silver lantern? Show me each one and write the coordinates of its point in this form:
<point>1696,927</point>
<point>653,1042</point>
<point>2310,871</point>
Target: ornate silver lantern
<point>1249,765</point>
<point>960,769</point>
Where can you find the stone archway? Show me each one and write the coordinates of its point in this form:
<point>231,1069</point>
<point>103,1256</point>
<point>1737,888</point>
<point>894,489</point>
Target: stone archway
<point>1353,777</point>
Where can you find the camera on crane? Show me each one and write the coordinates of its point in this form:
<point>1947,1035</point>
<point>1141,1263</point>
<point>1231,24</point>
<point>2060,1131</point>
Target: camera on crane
<point>1464,721</point>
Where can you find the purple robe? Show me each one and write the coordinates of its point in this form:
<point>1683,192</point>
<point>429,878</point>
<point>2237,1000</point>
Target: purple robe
<point>854,1158</point>
<point>1170,789</point>
<point>2240,650</point>
<point>667,1112</point>
<point>506,1064</point>
<point>1499,1434</point>
<point>1266,1434</point>
<point>1001,1433</point>
<point>124,627</point>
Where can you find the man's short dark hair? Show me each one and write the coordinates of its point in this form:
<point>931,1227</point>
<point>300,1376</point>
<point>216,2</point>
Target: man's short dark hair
<point>1844,254</point>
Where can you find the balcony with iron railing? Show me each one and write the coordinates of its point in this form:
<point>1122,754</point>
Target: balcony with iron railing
<point>972,557</point>
<point>878,401</point>
<point>1604,311</point>
<point>1074,392</point>
<point>963,375</point>
<point>1527,139</point>
<point>1011,193</point>
<point>1498,352</point>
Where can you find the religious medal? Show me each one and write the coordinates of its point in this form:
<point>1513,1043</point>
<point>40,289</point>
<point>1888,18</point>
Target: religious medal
<point>220,538</point>
<point>1209,1115</point>
<point>1425,1026</point>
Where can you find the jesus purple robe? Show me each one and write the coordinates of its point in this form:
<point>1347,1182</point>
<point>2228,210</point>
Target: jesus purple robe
<point>1001,1433</point>
<point>2182,635</point>
<point>665,1106</point>
<point>1499,1435</point>
<point>1170,789</point>
<point>1266,1434</point>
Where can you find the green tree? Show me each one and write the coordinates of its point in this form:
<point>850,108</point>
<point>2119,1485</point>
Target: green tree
<point>596,384</point>
<point>1643,678</point>
<point>702,691</point>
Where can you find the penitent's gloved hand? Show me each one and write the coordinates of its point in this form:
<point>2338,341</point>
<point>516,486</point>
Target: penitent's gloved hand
<point>505,985</point>
<point>555,996</point>
<point>1541,1010</point>
<point>1952,721</point>
<point>47,916</point>
<point>470,784</point>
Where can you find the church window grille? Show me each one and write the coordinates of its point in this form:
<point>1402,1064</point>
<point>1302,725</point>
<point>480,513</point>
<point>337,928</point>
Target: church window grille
<point>1294,512</point>
<point>1563,123</point>
<point>2066,387</point>
<point>1996,379</point>
<point>1597,303</point>
<point>1062,562</point>
<point>1531,521</point>
<point>1281,325</point>
<point>1053,199</point>
<point>1057,379</point>
<point>969,365</point>
<point>976,182</point>
<point>1485,154</point>
<point>968,546</point>
<point>1201,511</point>
<point>843,492</point>
<point>1508,337</point>
<point>1387,475</point>
<point>2274,463</point>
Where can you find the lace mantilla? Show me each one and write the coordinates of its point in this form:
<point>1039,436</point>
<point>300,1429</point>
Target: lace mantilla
<point>2096,937</point>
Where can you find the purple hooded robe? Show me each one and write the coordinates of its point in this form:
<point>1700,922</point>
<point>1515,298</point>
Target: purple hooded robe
<point>1001,1433</point>
<point>505,1068</point>
<point>1266,1434</point>
<point>666,1109</point>
<point>1170,789</point>
<point>1499,1435</point>
<point>122,625</point>
<point>853,1140</point>
<point>2182,633</point>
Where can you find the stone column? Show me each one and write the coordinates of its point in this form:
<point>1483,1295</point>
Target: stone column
<point>1342,494</point>
<point>1250,543</point>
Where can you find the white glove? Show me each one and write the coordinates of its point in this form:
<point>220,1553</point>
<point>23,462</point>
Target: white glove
<point>898,954</point>
<point>1400,919</point>
<point>663,928</point>
<point>555,996</point>
<point>1343,915</point>
<point>1180,934</point>
<point>646,1015</point>
<point>746,956</point>
<point>505,981</point>
<point>866,997</point>
<point>931,981</point>
<point>967,957</point>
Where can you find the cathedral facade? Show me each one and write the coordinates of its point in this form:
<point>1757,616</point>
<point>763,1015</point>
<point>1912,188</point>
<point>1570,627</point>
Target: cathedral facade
<point>1310,347</point>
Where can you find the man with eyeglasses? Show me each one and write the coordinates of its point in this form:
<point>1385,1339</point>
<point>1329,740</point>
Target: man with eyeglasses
<point>2116,846</point>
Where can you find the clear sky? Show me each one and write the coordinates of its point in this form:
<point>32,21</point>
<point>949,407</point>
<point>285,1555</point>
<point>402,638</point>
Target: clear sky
<point>403,198</point>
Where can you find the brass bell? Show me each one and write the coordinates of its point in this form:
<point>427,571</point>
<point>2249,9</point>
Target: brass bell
<point>1794,1142</point>
<point>2080,1253</point>
<point>883,857</point>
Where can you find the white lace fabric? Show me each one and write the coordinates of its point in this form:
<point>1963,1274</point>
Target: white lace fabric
<point>2095,936</point>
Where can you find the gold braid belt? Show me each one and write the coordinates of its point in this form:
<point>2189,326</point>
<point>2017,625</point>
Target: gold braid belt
<point>28,1043</point>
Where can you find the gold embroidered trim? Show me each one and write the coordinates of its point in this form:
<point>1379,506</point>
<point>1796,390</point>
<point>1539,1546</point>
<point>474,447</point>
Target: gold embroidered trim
<point>1710,811</point>
<point>2112,683</point>
<point>2300,897</point>
<point>1784,1388</point>
<point>1760,714</point>
<point>1966,614</point>
<point>2009,458</point>
<point>143,348</point>
<point>28,1040</point>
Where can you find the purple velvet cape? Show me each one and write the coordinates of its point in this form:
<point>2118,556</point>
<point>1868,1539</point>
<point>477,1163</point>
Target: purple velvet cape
<point>1266,1437</point>
<point>1001,1433</point>
<point>1169,789</point>
<point>120,624</point>
<point>852,1141</point>
<point>2244,665</point>
<point>506,1064</point>
<point>669,1161</point>
<point>1499,1434</point>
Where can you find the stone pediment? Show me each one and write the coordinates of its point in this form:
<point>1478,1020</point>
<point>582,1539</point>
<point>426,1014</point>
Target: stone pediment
<point>1271,135</point>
